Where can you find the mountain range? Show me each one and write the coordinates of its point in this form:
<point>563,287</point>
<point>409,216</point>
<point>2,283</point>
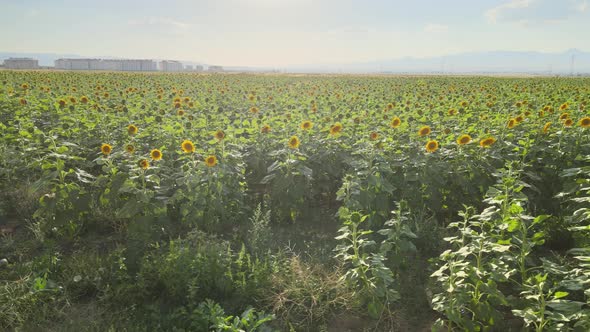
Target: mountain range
<point>572,61</point>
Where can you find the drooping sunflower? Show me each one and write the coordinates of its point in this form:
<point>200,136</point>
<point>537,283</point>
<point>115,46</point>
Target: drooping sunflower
<point>265,129</point>
<point>424,131</point>
<point>585,122</point>
<point>306,125</point>
<point>106,149</point>
<point>187,146</point>
<point>294,142</point>
<point>130,148</point>
<point>211,161</point>
<point>511,123</point>
<point>568,122</point>
<point>487,142</point>
<point>132,129</point>
<point>546,127</point>
<point>156,154</point>
<point>431,146</point>
<point>464,139</point>
<point>219,135</point>
<point>395,122</point>
<point>373,136</point>
<point>144,164</point>
<point>336,129</point>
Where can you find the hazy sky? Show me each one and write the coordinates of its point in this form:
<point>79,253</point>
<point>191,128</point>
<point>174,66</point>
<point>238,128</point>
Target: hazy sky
<point>286,32</point>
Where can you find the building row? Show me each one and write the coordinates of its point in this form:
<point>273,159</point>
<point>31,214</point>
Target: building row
<point>21,63</point>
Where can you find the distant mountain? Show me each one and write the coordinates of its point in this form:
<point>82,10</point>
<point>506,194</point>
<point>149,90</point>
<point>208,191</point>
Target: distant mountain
<point>475,62</point>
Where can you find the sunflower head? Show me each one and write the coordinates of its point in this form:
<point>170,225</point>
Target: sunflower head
<point>187,146</point>
<point>487,142</point>
<point>519,119</point>
<point>564,116</point>
<point>84,100</point>
<point>563,107</point>
<point>23,101</point>
<point>265,129</point>
<point>61,102</point>
<point>431,146</point>
<point>425,130</point>
<point>144,164</point>
<point>511,123</point>
<point>219,135</point>
<point>132,129</point>
<point>374,136</point>
<point>294,142</point>
<point>254,110</point>
<point>177,105</point>
<point>336,129</point>
<point>395,122</point>
<point>306,125</point>
<point>518,104</point>
<point>541,113</point>
<point>568,122</point>
<point>389,106</point>
<point>585,122</point>
<point>180,112</point>
<point>452,111</point>
<point>464,104</point>
<point>130,148</point>
<point>211,161</point>
<point>156,154</point>
<point>546,127</point>
<point>106,149</point>
<point>464,139</point>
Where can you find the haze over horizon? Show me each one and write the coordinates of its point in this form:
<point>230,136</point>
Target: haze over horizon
<point>282,33</point>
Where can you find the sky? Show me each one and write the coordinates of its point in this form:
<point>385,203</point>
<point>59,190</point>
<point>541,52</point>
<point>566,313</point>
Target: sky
<point>291,32</point>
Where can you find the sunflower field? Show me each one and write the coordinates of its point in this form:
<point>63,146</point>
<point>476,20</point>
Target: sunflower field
<point>243,202</point>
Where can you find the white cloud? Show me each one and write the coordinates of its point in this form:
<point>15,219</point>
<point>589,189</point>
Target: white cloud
<point>436,28</point>
<point>582,6</point>
<point>494,13</point>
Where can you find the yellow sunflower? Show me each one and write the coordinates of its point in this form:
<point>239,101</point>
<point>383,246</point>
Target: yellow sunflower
<point>265,129</point>
<point>156,154</point>
<point>487,142</point>
<point>106,149</point>
<point>431,146</point>
<point>254,110</point>
<point>187,146</point>
<point>211,161</point>
<point>130,148</point>
<point>519,119</point>
<point>132,129</point>
<point>563,107</point>
<point>294,142</point>
<point>395,122</point>
<point>546,127</point>
<point>144,164</point>
<point>568,122</point>
<point>23,101</point>
<point>464,139</point>
<point>564,116</point>
<point>84,100</point>
<point>180,112</point>
<point>306,125</point>
<point>336,129</point>
<point>373,136</point>
<point>511,123</point>
<point>424,131</point>
<point>585,122</point>
<point>219,135</point>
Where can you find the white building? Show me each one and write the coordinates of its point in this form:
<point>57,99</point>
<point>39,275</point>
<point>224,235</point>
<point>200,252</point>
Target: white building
<point>171,66</point>
<point>215,68</point>
<point>189,68</point>
<point>106,64</point>
<point>21,63</point>
<point>198,68</point>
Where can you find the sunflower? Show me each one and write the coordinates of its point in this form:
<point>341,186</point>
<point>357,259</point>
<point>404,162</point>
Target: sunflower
<point>568,122</point>
<point>541,113</point>
<point>180,112</point>
<point>132,129</point>
<point>395,122</point>
<point>84,100</point>
<point>585,122</point>
<point>177,105</point>
<point>487,142</point>
<point>336,129</point>
<point>219,135</point>
<point>156,154</point>
<point>546,127</point>
<point>563,107</point>
<point>254,110</point>
<point>389,106</point>
<point>464,104</point>
<point>546,108</point>
<point>144,164</point>
<point>306,125</point>
<point>106,149</point>
<point>452,112</point>
<point>187,146</point>
<point>373,136</point>
<point>265,129</point>
<point>294,142</point>
<point>431,146</point>
<point>211,161</point>
<point>564,116</point>
<point>23,101</point>
<point>464,139</point>
<point>424,131</point>
<point>518,104</point>
<point>511,123</point>
<point>61,103</point>
<point>519,119</point>
<point>130,148</point>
